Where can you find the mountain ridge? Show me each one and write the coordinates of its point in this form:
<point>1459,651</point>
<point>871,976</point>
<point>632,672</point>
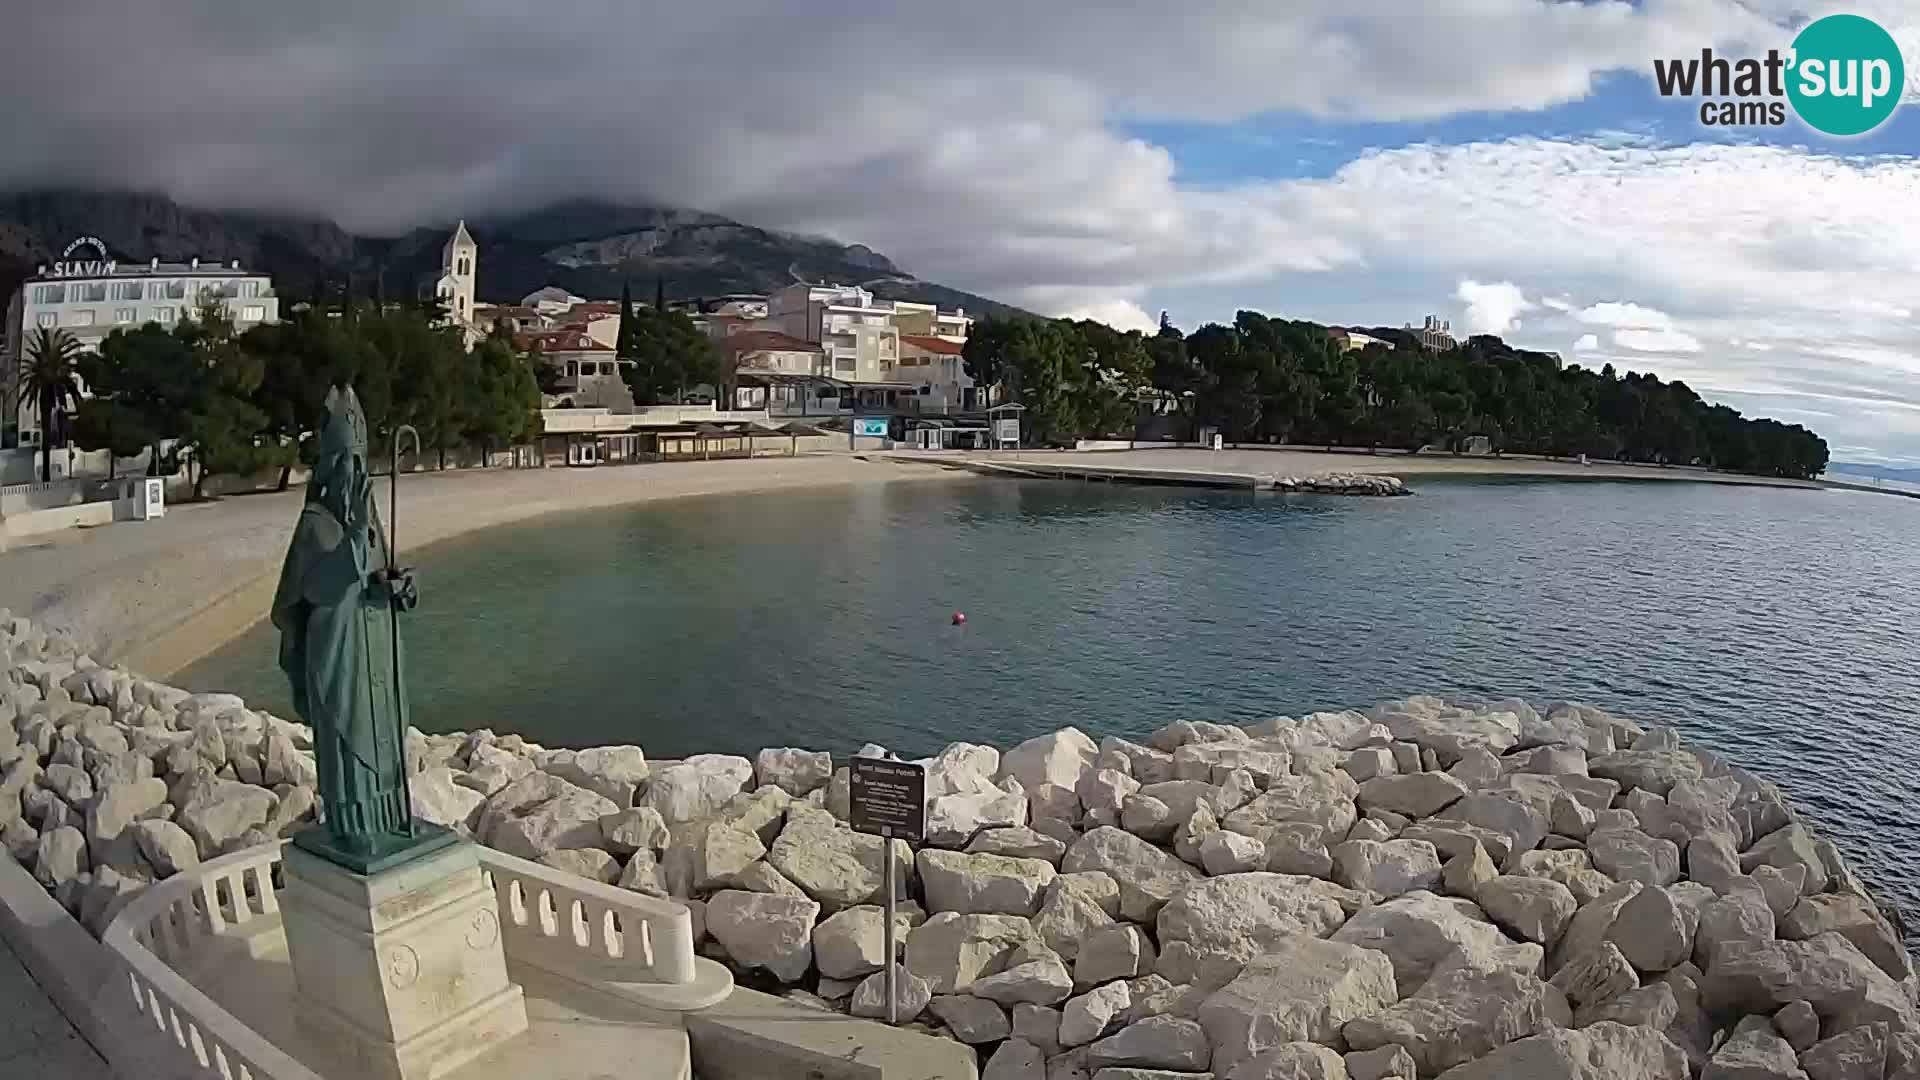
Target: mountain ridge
<point>589,247</point>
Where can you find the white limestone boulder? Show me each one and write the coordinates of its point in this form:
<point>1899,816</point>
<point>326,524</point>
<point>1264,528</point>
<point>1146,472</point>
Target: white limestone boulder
<point>1461,1014</point>
<point>982,884</point>
<point>590,863</point>
<point>1303,989</point>
<point>1755,1051</point>
<point>1016,1059</point>
<point>1632,855</point>
<point>1604,1051</point>
<point>1293,1061</point>
<point>1654,931</point>
<point>911,994</point>
<point>1094,1014</point>
<point>960,768</point>
<point>1419,930</point>
<point>970,1019</point>
<point>1116,951</point>
<point>637,828</point>
<point>1245,915</point>
<point>1532,909</point>
<point>167,847</point>
<point>1654,771</point>
<point>851,943</point>
<point>565,817</point>
<point>1381,1063</point>
<point>1224,852</point>
<point>1076,905</point>
<point>953,951</point>
<point>1855,919</point>
<point>117,806</point>
<point>1417,795</point>
<point>1451,735</point>
<point>1158,1042</point>
<point>1051,767</point>
<point>1146,875</point>
<point>1785,849</point>
<point>437,798</point>
<point>61,857</point>
<point>1858,1054</point>
<point>1034,975</point>
<point>833,864</point>
<point>792,770</point>
<point>1845,987</point>
<point>1741,914</point>
<point>1509,814</point>
<point>696,787</point>
<point>223,810</point>
<point>1388,869</point>
<point>953,819</point>
<point>765,931</point>
<point>1321,800</point>
<point>1018,842</point>
<point>1596,975</point>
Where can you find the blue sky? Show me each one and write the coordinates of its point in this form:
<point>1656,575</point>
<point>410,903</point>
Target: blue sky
<point>1505,164</point>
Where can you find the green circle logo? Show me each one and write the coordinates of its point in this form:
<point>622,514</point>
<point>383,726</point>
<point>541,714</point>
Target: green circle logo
<point>1846,75</point>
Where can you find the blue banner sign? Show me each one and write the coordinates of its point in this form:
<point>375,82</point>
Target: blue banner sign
<point>870,427</point>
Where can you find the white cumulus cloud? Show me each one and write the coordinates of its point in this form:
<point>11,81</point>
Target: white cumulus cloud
<point>1492,308</point>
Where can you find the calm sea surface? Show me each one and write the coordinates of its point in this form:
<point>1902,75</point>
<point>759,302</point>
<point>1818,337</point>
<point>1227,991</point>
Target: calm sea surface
<point>1777,627</point>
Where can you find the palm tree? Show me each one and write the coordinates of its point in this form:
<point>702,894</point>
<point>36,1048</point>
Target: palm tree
<point>50,377</point>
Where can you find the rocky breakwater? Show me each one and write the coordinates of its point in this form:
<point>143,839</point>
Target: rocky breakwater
<point>1343,484</point>
<point>1415,891</point>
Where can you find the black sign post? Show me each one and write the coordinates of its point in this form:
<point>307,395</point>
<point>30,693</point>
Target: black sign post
<point>888,799</point>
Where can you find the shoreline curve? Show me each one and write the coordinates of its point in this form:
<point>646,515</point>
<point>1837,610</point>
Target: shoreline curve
<point>162,596</point>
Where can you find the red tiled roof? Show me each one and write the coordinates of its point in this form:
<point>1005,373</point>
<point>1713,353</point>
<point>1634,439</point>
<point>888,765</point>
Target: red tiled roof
<point>563,339</point>
<point>931,344</point>
<point>595,307</point>
<point>766,341</point>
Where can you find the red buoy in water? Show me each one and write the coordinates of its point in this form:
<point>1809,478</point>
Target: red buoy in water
<point>959,618</point>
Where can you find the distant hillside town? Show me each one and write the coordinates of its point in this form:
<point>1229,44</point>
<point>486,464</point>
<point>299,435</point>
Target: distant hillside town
<point>171,363</point>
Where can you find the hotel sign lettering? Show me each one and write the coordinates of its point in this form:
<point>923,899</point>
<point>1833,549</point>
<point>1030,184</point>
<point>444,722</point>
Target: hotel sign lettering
<point>71,266</point>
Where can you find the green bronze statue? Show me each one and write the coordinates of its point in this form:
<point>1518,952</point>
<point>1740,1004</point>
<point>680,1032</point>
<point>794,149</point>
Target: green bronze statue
<point>337,609</point>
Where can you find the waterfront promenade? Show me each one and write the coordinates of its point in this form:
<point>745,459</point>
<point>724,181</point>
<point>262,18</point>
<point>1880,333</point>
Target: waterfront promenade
<point>39,1040</point>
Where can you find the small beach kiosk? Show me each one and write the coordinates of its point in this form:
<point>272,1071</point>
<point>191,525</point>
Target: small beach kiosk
<point>1004,420</point>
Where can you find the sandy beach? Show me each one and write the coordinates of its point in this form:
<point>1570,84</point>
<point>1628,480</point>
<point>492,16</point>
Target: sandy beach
<point>157,596</point>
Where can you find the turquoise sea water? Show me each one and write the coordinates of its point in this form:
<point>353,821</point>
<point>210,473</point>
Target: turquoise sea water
<point>1775,626</point>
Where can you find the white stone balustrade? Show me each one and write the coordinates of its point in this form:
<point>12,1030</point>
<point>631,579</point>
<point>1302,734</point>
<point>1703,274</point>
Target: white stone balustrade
<point>637,946</point>
<point>585,930</point>
<point>163,928</point>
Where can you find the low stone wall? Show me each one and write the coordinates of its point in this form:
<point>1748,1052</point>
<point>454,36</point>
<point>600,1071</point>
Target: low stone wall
<point>1423,889</point>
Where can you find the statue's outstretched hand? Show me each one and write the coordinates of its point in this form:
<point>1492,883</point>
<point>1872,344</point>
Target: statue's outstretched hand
<point>400,588</point>
<point>360,505</point>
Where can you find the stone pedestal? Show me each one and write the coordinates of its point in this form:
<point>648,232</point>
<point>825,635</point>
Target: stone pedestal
<point>400,973</point>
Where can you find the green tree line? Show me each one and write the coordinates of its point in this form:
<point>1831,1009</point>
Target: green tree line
<point>231,402</point>
<point>1287,381</point>
<point>662,353</point>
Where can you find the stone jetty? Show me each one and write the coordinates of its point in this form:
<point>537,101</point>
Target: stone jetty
<point>1420,890</point>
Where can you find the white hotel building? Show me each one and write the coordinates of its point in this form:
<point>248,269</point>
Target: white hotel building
<point>90,298</point>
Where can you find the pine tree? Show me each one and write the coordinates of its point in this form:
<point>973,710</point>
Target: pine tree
<point>623,336</point>
<point>660,294</point>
